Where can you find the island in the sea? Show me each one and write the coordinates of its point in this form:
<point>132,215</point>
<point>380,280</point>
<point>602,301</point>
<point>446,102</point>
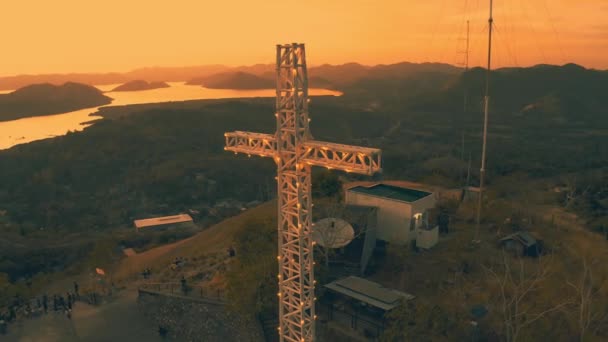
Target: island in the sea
<point>234,80</point>
<point>139,85</point>
<point>48,99</point>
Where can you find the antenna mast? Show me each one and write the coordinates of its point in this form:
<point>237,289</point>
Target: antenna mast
<point>464,83</point>
<point>482,170</point>
<point>466,68</point>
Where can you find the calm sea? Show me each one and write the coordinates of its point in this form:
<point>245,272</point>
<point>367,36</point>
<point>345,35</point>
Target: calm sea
<point>43,127</point>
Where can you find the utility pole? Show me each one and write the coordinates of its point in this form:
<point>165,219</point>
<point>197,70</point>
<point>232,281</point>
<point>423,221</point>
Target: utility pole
<point>482,170</point>
<point>466,68</point>
<point>468,172</point>
<point>465,102</point>
<point>462,157</point>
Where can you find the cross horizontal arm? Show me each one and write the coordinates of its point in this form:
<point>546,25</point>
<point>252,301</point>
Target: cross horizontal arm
<point>363,160</point>
<point>260,144</point>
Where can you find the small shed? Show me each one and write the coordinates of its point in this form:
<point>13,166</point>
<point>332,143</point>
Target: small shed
<point>368,292</point>
<point>521,243</point>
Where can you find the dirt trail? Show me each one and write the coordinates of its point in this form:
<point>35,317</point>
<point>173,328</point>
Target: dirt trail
<point>115,321</point>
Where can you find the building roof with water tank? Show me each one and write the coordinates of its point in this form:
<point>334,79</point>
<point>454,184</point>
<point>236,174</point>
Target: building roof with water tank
<point>391,192</point>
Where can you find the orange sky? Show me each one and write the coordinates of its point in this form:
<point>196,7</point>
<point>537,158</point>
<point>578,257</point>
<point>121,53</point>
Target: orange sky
<point>119,35</point>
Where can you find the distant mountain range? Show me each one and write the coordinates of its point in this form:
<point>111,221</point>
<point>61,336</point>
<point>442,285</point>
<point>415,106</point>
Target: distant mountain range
<point>46,99</point>
<point>566,92</point>
<point>321,76</point>
<point>569,92</point>
<point>325,76</point>
<point>233,80</point>
<point>139,85</point>
<point>154,74</point>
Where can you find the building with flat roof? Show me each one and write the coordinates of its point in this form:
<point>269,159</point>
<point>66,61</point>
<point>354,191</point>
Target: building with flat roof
<point>392,192</point>
<point>402,212</point>
<point>164,222</point>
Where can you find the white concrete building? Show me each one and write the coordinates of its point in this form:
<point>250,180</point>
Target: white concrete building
<point>402,212</point>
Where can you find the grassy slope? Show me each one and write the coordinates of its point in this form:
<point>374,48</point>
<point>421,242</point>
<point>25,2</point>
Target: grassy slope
<point>212,240</point>
<point>434,276</point>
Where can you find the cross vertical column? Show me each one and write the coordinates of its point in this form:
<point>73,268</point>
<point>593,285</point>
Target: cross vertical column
<point>294,152</point>
<point>296,277</point>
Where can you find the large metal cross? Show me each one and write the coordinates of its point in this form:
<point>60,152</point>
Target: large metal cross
<point>294,152</point>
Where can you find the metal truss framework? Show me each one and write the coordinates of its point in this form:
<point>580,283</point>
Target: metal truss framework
<point>294,152</point>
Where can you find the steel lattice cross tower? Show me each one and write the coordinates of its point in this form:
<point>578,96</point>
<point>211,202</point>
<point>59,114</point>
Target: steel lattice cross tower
<point>294,152</point>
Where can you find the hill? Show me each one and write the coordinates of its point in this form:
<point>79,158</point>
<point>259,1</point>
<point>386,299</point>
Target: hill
<point>325,76</point>
<point>347,75</point>
<point>152,74</point>
<point>569,90</point>
<point>45,99</point>
<point>138,85</point>
<point>158,159</point>
<point>213,240</point>
<point>234,80</point>
<point>350,76</point>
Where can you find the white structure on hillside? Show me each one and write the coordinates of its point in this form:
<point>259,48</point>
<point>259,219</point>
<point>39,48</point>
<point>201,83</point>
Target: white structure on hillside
<point>402,212</point>
<point>163,222</point>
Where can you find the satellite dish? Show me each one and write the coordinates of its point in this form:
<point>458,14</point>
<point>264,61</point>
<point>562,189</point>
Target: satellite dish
<point>333,232</point>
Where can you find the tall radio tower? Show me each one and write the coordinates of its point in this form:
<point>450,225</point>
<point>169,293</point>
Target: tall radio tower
<point>294,151</point>
<point>482,170</point>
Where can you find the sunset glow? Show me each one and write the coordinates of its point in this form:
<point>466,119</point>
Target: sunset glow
<point>117,35</point>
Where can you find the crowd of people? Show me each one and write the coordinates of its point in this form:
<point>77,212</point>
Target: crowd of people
<point>23,308</point>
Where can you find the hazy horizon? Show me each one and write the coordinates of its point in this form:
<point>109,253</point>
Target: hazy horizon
<point>77,37</point>
<point>271,64</point>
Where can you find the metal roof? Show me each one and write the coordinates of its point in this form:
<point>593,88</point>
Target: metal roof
<point>369,292</point>
<point>392,192</point>
<point>524,238</point>
<point>159,221</point>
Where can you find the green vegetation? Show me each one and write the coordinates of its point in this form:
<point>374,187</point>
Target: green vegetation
<point>527,299</point>
<point>251,279</point>
<point>62,198</point>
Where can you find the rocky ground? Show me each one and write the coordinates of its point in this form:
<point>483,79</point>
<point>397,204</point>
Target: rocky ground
<point>188,320</point>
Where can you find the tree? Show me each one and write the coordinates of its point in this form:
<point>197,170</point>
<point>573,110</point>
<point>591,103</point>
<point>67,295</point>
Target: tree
<point>415,320</point>
<point>401,322</point>
<point>326,184</point>
<point>517,289</point>
<point>589,306</point>
<point>9,290</point>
